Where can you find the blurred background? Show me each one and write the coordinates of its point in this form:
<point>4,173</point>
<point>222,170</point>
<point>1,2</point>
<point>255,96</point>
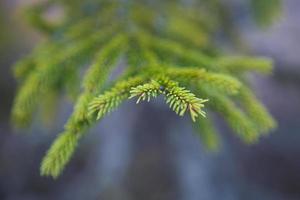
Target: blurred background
<point>132,156</point>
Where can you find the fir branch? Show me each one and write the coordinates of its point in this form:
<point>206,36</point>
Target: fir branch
<point>112,98</point>
<point>62,149</point>
<point>59,154</point>
<point>221,82</point>
<point>178,52</point>
<point>190,57</point>
<point>236,64</point>
<point>25,102</point>
<point>24,67</point>
<point>47,76</point>
<point>178,98</point>
<point>235,117</point>
<point>79,121</point>
<point>34,15</point>
<point>208,134</point>
<point>107,56</point>
<point>258,114</point>
<point>146,91</point>
<point>181,29</point>
<point>163,51</point>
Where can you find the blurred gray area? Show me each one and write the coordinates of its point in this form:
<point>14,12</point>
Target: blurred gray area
<point>146,152</point>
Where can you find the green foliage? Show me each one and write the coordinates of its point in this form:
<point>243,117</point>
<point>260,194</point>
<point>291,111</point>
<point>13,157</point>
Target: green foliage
<point>178,98</point>
<point>59,154</point>
<point>208,134</point>
<point>112,98</point>
<point>173,54</point>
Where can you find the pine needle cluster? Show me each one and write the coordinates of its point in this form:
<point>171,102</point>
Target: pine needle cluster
<point>169,50</point>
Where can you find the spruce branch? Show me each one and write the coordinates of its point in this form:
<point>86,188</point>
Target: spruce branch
<point>25,102</point>
<point>79,121</point>
<point>173,50</point>
<point>106,57</point>
<point>180,28</point>
<point>59,154</point>
<point>112,98</point>
<point>190,57</point>
<point>163,52</point>
<point>64,146</point>
<point>34,15</point>
<point>236,118</point>
<point>217,81</point>
<point>258,114</point>
<point>146,91</point>
<point>236,64</point>
<point>24,67</point>
<point>208,134</point>
<point>178,98</point>
<point>48,75</point>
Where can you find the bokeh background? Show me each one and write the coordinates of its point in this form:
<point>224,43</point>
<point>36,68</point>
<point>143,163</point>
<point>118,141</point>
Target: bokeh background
<point>133,156</point>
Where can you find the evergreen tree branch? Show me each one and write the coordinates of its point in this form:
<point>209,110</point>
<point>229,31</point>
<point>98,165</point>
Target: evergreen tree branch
<point>95,75</point>
<point>208,134</point>
<point>163,50</point>
<point>258,114</point>
<point>146,91</point>
<point>178,98</point>
<point>221,82</point>
<point>235,117</point>
<point>112,98</point>
<point>237,64</point>
<point>59,154</point>
<point>172,50</point>
<point>54,161</point>
<point>46,78</point>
